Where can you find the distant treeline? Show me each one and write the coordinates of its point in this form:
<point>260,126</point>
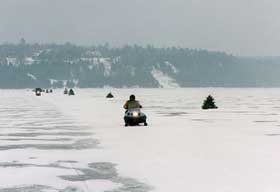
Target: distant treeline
<point>50,65</point>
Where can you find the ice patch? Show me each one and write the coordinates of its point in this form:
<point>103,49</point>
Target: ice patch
<point>44,150</point>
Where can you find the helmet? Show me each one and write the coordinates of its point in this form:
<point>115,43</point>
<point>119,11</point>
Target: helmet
<point>132,97</point>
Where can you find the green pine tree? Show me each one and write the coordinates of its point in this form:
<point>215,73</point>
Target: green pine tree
<point>209,103</point>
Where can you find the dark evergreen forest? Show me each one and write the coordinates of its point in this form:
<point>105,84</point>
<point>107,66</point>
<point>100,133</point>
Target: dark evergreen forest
<point>51,65</point>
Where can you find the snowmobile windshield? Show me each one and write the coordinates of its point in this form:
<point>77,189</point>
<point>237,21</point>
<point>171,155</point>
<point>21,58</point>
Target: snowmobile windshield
<point>134,110</point>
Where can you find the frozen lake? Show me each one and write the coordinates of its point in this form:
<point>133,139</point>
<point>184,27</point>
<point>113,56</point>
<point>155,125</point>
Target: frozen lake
<point>62,143</point>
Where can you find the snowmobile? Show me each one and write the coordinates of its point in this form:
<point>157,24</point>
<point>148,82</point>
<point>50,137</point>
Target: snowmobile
<point>65,92</point>
<point>134,117</point>
<point>38,91</point>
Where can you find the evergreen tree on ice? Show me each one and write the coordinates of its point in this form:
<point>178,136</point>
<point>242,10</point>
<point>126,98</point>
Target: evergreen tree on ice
<point>209,103</point>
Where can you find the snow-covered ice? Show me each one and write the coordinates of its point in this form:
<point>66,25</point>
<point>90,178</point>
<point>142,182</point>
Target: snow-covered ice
<point>62,143</point>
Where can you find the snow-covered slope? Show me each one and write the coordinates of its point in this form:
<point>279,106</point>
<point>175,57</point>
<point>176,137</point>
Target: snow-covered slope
<point>32,76</point>
<point>233,148</point>
<point>97,62</point>
<point>173,68</point>
<point>163,79</point>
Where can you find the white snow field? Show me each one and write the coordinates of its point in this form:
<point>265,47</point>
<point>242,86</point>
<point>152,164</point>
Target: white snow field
<point>79,143</point>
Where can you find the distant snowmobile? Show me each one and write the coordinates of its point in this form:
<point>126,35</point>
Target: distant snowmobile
<point>65,92</point>
<point>38,91</point>
<point>134,117</point>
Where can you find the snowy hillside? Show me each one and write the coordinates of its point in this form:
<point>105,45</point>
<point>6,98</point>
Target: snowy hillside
<point>62,143</point>
<point>164,80</point>
<point>57,66</point>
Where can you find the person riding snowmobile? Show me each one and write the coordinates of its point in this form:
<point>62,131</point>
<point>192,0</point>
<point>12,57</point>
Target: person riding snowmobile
<point>132,103</point>
<point>133,115</point>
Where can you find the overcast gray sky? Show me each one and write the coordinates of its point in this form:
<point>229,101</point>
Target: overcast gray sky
<point>240,27</point>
